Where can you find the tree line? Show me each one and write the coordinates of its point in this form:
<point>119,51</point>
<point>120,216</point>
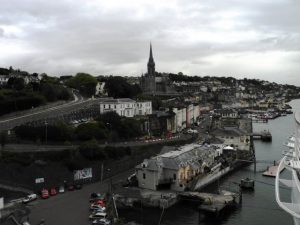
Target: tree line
<point>107,127</point>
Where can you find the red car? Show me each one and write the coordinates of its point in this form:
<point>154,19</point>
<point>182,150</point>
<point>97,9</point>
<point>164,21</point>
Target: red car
<point>53,191</point>
<point>44,193</point>
<point>100,202</point>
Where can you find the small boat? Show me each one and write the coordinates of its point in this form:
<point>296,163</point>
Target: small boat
<point>247,183</point>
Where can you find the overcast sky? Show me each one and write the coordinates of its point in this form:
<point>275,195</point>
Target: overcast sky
<point>239,38</point>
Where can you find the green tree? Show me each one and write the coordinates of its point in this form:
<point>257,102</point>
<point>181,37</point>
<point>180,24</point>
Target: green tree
<point>16,83</point>
<point>3,138</point>
<point>91,150</point>
<point>118,87</point>
<point>90,131</point>
<point>85,83</point>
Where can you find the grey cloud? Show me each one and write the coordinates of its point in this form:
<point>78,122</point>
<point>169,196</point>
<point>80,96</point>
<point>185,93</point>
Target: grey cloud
<point>71,36</point>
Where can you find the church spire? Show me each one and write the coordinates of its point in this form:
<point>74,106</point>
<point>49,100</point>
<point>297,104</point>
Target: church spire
<point>151,63</point>
<point>151,56</point>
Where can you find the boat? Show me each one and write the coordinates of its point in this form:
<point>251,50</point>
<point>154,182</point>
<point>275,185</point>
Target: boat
<point>291,162</point>
<point>247,183</point>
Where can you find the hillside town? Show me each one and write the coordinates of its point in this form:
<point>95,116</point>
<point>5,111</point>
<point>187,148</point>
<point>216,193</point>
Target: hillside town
<point>173,134</point>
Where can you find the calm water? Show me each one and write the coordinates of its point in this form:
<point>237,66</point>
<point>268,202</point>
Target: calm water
<point>258,207</point>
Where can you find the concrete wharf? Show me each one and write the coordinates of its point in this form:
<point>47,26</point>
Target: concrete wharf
<point>260,120</point>
<point>166,199</point>
<point>212,204</point>
<point>263,135</point>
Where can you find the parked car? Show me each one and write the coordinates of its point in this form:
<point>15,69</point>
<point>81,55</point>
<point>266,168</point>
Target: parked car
<point>97,196</point>
<point>78,186</point>
<point>29,198</point>
<point>99,202</point>
<point>191,131</point>
<point>53,191</point>
<point>25,223</point>
<point>61,189</point>
<point>99,210</point>
<point>96,207</point>
<point>98,215</point>
<point>71,187</point>
<point>101,222</point>
<point>44,193</point>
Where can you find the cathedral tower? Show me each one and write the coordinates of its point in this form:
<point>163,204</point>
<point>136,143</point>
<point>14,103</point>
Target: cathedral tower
<point>151,63</point>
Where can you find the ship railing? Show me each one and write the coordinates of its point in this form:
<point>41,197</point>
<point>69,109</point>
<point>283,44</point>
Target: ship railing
<point>290,153</point>
<point>290,207</point>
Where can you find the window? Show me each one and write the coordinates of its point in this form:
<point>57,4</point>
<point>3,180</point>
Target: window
<point>104,106</point>
<point>144,176</point>
<point>174,176</point>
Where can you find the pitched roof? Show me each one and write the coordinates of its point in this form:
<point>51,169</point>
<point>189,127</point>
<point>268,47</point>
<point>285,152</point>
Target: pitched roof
<point>177,157</point>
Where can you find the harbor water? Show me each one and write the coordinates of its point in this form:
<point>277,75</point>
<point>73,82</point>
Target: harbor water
<point>258,207</point>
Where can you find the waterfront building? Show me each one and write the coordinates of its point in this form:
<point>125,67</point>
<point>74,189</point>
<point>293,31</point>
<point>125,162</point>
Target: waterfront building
<point>234,137</point>
<point>162,123</point>
<point>126,107</point>
<point>180,118</point>
<point>176,169</point>
<point>227,113</point>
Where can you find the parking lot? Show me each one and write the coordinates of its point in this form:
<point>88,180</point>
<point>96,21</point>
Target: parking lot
<point>71,207</point>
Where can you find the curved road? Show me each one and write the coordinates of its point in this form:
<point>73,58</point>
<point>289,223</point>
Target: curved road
<point>79,102</point>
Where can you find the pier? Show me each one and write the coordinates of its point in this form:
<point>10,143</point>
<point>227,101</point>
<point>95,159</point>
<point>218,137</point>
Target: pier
<point>212,204</point>
<point>263,135</point>
<point>272,170</point>
<point>256,120</point>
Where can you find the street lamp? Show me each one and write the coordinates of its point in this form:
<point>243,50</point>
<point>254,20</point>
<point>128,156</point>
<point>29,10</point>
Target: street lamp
<point>110,132</point>
<point>46,123</point>
<point>110,180</point>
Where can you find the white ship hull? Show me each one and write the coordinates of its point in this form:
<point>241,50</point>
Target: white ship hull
<point>291,161</point>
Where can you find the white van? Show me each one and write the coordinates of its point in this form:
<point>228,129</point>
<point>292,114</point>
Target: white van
<point>29,198</point>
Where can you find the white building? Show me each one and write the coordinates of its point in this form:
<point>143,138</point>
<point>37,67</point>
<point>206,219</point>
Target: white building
<point>3,80</point>
<point>177,168</point>
<point>227,113</point>
<point>126,107</point>
<point>180,117</point>
<point>186,116</point>
<point>100,89</point>
<point>143,108</point>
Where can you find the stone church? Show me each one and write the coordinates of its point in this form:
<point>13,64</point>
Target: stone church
<point>153,83</point>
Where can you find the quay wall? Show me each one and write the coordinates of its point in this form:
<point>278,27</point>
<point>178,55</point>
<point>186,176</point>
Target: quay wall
<point>210,178</point>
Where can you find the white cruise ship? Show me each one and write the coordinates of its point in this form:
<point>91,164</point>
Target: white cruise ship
<point>291,162</point>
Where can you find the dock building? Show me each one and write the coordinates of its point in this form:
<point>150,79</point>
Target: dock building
<point>177,169</point>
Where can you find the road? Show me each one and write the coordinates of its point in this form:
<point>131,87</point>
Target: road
<point>52,112</point>
<point>71,207</point>
<point>45,148</point>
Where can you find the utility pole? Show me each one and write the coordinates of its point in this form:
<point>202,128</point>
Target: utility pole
<point>46,134</point>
